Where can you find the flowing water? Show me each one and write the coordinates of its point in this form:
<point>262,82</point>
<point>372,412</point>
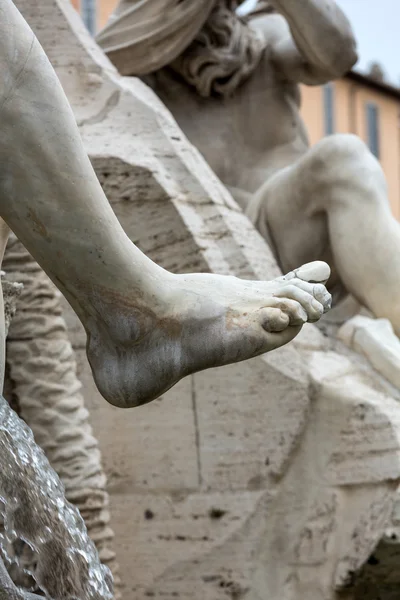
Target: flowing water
<point>35,510</point>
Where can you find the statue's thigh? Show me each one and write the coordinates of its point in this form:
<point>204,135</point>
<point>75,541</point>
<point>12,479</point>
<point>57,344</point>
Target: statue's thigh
<point>283,212</point>
<point>4,233</point>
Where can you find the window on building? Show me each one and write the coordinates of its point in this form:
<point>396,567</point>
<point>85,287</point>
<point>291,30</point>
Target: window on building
<point>88,14</point>
<point>372,113</point>
<point>329,108</point>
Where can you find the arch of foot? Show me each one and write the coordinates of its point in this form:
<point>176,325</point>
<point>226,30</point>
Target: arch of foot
<point>245,481</point>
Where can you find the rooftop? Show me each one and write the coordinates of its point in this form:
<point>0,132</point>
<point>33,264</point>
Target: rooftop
<point>380,86</point>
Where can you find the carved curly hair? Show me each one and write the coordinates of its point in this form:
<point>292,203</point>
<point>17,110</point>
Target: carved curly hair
<point>224,53</point>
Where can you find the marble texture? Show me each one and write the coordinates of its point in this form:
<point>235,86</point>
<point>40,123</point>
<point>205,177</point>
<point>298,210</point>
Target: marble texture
<point>275,478</point>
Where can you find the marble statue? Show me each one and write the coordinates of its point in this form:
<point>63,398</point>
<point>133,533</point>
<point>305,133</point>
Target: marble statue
<point>234,92</point>
<point>233,89</point>
<point>274,478</point>
<point>146,328</point>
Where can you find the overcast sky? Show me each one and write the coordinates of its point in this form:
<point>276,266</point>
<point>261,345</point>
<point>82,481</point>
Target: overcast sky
<point>376,24</point>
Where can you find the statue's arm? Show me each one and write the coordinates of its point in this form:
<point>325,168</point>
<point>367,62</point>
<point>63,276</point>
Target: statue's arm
<point>318,45</point>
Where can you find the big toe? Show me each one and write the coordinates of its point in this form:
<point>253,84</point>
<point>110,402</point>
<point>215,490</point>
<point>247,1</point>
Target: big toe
<point>314,272</point>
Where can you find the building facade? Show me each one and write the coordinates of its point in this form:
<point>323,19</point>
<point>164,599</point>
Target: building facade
<point>354,104</point>
<point>362,106</point>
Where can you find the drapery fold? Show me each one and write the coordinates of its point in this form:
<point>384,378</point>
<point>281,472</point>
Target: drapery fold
<point>145,35</point>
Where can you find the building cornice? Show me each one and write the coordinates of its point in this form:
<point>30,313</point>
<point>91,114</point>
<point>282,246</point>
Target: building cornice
<point>379,86</point>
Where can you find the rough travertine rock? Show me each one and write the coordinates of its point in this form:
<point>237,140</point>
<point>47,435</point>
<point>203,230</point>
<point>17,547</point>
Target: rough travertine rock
<point>42,378</point>
<point>11,292</point>
<point>269,479</point>
<point>376,340</point>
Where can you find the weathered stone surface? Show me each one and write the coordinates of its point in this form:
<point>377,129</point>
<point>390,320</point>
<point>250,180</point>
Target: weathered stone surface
<point>376,340</point>
<point>11,292</point>
<point>150,448</point>
<point>270,479</point>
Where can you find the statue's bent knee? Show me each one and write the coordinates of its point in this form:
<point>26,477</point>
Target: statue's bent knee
<point>341,160</point>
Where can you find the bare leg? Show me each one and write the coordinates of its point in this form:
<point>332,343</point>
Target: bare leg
<point>332,205</point>
<point>146,327</point>
<point>4,232</point>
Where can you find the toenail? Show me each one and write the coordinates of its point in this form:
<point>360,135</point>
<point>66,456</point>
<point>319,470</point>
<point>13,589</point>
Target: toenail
<point>316,271</point>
